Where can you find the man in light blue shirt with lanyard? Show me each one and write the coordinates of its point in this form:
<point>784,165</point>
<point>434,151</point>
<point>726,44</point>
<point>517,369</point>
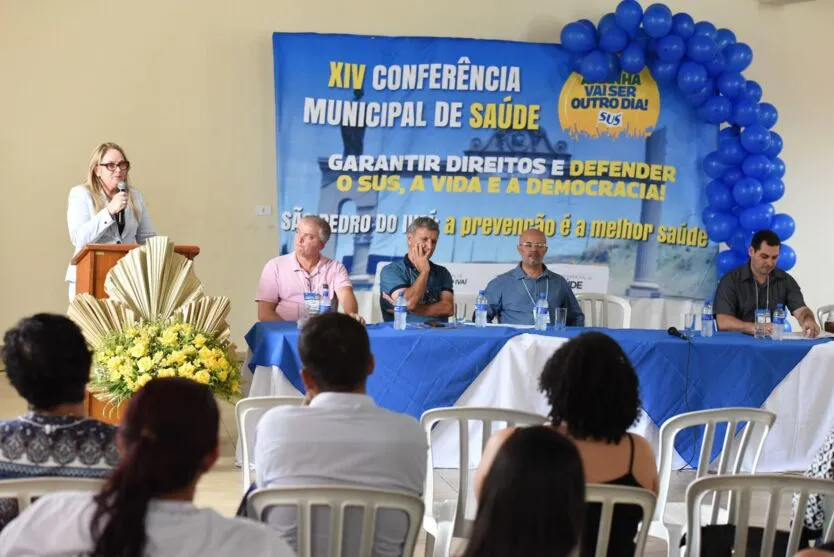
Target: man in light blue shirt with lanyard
<point>513,295</point>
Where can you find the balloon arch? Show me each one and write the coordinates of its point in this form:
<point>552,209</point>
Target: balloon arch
<point>706,64</point>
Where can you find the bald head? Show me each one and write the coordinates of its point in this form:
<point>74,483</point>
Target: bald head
<point>532,246</point>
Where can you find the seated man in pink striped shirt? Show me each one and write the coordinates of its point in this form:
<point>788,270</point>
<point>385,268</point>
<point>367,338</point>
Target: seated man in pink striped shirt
<point>285,279</point>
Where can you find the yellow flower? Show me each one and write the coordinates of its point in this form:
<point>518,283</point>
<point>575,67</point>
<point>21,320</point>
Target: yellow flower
<point>145,364</point>
<point>120,350</point>
<point>169,337</point>
<point>131,332</point>
<point>142,380</point>
<point>166,372</point>
<point>186,370</point>
<point>187,328</point>
<point>126,370</point>
<point>153,330</point>
<point>199,340</point>
<point>157,357</point>
<point>205,353</point>
<point>202,377</point>
<point>131,385</point>
<point>235,386</point>
<point>138,350</point>
<point>115,375</point>
<point>114,363</point>
<point>223,375</point>
<point>190,350</point>
<point>177,357</point>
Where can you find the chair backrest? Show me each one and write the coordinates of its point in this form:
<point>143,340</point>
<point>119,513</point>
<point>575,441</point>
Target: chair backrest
<point>822,313</point>
<point>741,489</point>
<point>732,445</point>
<point>338,499</point>
<point>463,415</point>
<point>248,411</point>
<point>597,311</point>
<point>610,496</point>
<point>25,490</point>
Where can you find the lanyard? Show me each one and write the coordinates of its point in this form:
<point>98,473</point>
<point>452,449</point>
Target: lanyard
<point>767,293</point>
<point>547,290</point>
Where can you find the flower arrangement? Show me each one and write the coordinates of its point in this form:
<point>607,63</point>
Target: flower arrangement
<point>128,358</point>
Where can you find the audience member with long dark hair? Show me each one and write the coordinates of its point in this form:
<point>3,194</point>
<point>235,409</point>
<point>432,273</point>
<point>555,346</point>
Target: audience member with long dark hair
<point>592,390</point>
<point>532,501</point>
<point>169,439</point>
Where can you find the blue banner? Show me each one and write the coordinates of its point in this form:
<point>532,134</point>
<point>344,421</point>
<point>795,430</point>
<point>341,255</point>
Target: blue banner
<point>490,138</point>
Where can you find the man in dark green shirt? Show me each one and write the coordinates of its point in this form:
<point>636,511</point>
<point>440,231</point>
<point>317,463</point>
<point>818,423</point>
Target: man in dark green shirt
<point>758,284</point>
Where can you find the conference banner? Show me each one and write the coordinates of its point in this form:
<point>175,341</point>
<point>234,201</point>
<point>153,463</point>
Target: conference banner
<point>490,138</point>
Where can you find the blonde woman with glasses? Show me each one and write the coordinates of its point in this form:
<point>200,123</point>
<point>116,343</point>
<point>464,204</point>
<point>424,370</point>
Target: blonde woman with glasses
<point>105,209</point>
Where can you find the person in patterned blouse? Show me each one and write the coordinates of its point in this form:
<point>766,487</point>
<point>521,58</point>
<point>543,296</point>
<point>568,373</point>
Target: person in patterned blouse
<point>47,361</point>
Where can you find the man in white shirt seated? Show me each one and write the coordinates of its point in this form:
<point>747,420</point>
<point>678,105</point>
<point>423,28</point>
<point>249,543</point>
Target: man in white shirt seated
<point>342,438</point>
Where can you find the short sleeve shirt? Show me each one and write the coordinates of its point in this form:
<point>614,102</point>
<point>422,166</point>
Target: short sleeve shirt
<point>740,295</point>
<point>402,274</point>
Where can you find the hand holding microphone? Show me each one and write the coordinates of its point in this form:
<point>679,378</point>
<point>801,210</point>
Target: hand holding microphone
<point>118,203</point>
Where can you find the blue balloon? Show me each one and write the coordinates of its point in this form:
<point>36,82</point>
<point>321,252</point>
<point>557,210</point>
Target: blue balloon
<point>730,84</point>
<point>692,77</point>
<point>777,168</point>
<point>640,37</point>
<point>783,225</point>
<point>698,98</point>
<point>739,56</point>
<point>713,167</point>
<point>664,72</point>
<point>576,37</point>
<point>628,15</point>
<point>613,66</point>
<point>730,131</point>
<point>632,59</point>
<point>775,145</point>
<point>740,239</point>
<point>594,67</point>
<point>709,214</point>
<point>720,196</point>
<point>725,38</point>
<point>755,138</point>
<point>768,115</point>
<point>773,188</point>
<point>605,23</point>
<point>589,24</point>
<point>748,192</point>
<point>787,257</point>
<point>683,25</point>
<point>721,226</point>
<point>670,48</point>
<point>756,166</point>
<point>728,260</point>
<point>717,65</point>
<point>752,91</point>
<point>706,29</point>
<point>657,20</point>
<point>757,217</point>
<point>732,175</point>
<point>731,151</point>
<point>701,48</point>
<point>745,112</point>
<point>716,110</point>
<point>613,39</point>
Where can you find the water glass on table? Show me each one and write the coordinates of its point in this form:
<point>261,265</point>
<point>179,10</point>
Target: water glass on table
<point>762,319</point>
<point>560,318</point>
<point>460,314</point>
<point>688,323</point>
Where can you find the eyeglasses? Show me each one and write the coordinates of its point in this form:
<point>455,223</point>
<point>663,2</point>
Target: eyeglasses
<point>124,166</point>
<point>529,245</point>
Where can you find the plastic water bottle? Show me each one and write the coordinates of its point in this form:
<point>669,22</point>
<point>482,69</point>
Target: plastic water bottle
<point>313,303</point>
<point>481,306</point>
<point>400,312</point>
<point>325,304</point>
<point>707,320</point>
<point>779,317</point>
<point>542,313</point>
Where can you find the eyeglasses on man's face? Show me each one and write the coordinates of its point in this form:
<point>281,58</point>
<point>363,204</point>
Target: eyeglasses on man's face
<point>531,245</point>
<point>124,166</point>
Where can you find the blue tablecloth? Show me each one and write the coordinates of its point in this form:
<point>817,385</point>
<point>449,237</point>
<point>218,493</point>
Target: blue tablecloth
<point>422,368</point>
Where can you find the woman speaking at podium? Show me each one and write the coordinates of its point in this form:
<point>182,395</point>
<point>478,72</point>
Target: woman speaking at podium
<point>105,209</point>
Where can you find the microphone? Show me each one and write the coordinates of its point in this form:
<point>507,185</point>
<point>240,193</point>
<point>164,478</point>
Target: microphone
<point>120,216</point>
<point>673,331</point>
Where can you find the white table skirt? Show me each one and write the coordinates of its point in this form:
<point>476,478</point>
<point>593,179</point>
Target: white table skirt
<point>801,402</point>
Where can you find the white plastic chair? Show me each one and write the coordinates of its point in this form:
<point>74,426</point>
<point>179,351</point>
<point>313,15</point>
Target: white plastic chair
<point>670,518</point>
<point>439,536</point>
<point>609,496</point>
<point>596,310</point>
<point>338,499</point>
<point>248,411</point>
<point>25,490</point>
<point>822,314</point>
<point>741,489</point>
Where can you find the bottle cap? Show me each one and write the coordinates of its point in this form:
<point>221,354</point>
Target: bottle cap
<point>541,295</point>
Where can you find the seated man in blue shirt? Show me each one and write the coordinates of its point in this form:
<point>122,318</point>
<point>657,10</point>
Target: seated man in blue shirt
<point>513,295</point>
<point>428,287</point>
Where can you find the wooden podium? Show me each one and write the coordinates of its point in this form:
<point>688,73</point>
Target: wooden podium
<point>91,267</point>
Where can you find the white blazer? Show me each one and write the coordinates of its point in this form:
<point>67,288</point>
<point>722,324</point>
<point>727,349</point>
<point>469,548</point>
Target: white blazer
<point>88,227</point>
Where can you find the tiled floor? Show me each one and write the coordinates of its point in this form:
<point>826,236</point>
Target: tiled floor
<point>221,487</point>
